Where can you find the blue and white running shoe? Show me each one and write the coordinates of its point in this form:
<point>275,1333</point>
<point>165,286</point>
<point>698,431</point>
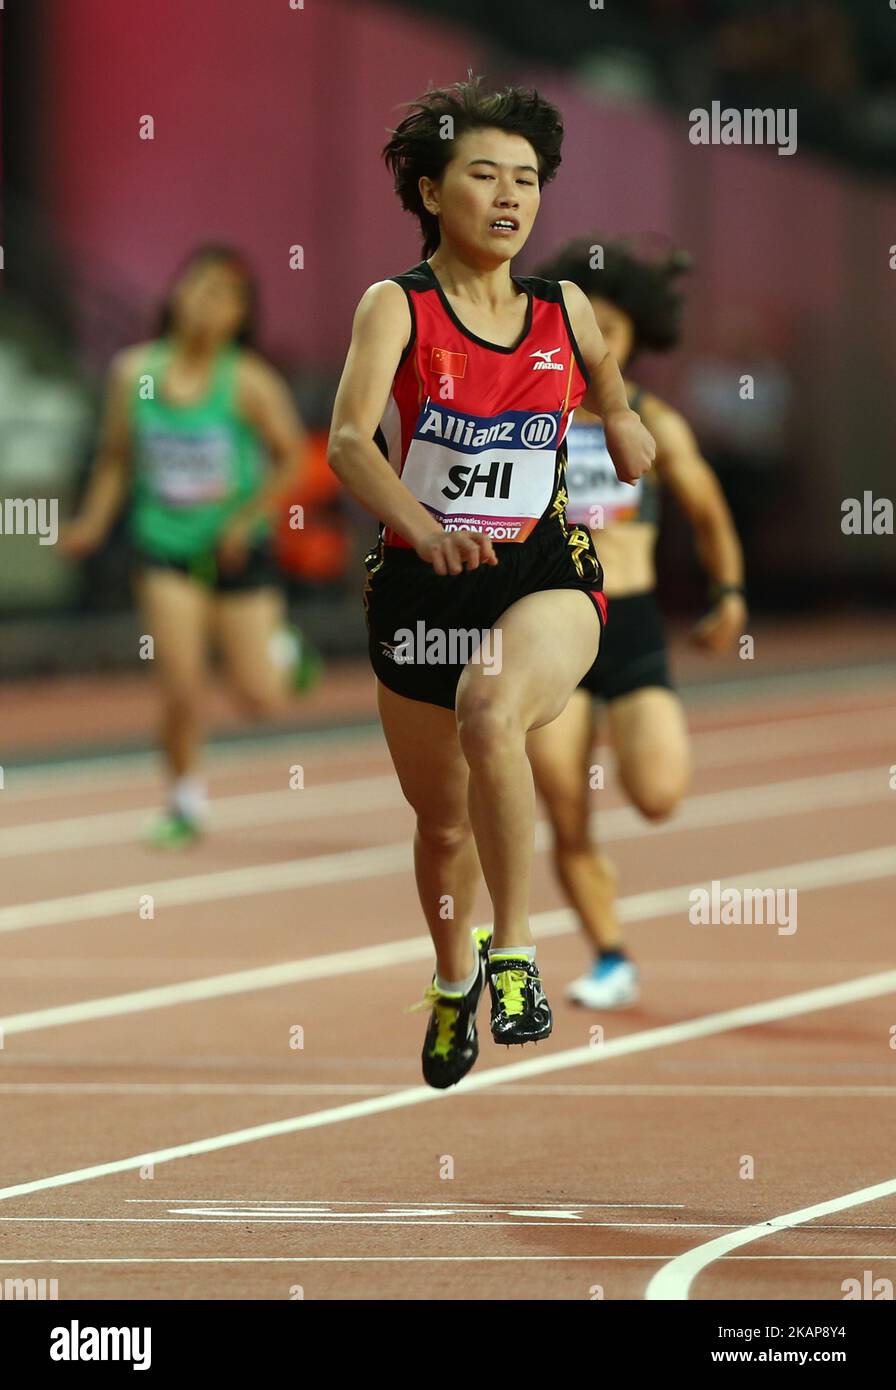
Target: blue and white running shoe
<point>609,984</point>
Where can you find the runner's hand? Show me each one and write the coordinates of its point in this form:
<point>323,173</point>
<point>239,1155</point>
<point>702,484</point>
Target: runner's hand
<point>233,547</point>
<point>722,626</point>
<point>79,538</point>
<point>632,447</point>
<point>451,552</point>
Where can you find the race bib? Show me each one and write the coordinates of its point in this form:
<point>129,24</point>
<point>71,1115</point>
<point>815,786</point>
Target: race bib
<point>492,474</point>
<point>596,496</point>
<point>189,468</point>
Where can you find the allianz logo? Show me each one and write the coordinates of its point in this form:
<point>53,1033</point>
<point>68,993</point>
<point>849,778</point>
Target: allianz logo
<point>473,433</point>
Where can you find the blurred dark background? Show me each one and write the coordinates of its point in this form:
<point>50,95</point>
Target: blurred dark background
<point>268,123</point>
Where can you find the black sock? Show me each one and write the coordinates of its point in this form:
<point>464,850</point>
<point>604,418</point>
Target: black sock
<point>616,954</point>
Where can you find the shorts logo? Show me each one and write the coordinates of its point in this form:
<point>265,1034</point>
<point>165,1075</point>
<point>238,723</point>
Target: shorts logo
<point>448,363</point>
<point>446,647</point>
<point>545,364</point>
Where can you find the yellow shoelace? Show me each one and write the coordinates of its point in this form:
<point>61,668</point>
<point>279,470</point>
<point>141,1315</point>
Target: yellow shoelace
<point>511,987</point>
<point>445,1011</point>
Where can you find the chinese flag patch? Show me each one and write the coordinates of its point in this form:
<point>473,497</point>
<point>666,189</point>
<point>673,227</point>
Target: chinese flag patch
<point>448,363</point>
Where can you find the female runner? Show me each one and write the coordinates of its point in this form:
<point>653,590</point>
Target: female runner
<point>484,606</point>
<point>637,305</point>
<point>189,419</point>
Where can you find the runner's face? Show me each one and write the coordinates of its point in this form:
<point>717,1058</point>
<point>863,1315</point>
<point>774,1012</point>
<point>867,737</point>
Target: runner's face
<point>616,327</point>
<point>210,301</point>
<point>491,177</point>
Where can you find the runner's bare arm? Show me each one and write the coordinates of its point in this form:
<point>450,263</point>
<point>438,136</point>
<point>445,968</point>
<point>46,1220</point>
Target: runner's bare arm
<point>683,470</point>
<point>631,446</point>
<point>109,479</point>
<point>266,403</point>
<point>381,329</point>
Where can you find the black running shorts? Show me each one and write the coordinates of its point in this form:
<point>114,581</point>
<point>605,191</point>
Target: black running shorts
<point>633,650</point>
<point>404,595</point>
<point>259,572</point>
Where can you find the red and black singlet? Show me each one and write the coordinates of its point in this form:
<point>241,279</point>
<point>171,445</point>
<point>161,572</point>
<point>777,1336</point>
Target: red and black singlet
<point>477,431</point>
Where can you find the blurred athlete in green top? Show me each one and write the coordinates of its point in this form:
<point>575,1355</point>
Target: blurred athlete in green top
<point>201,434</point>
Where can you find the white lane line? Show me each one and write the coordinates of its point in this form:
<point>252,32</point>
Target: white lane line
<point>125,771</point>
<point>799,796</point>
<point>835,870</point>
<point>251,881</point>
<point>389,1259</point>
<point>840,680</point>
<point>382,792</point>
<point>773,1010</point>
<point>770,1092</point>
<point>285,1219</point>
<point>194,1088</point>
<point>128,769</point>
<point>824,734</point>
<point>227,812</point>
<point>474,1207</point>
<point>43,969</point>
<point>713,749</point>
<point>198,1217</point>
<point>674,1280</point>
<point>311,1088</point>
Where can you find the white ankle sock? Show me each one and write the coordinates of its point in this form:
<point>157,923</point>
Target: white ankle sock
<point>513,953</point>
<point>460,986</point>
<point>188,798</point>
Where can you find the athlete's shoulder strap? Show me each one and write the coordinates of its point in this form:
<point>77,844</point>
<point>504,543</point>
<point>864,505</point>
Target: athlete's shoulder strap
<point>419,277</point>
<point>550,292</point>
<point>416,280</point>
<point>152,363</point>
<point>224,390</point>
<point>156,357</point>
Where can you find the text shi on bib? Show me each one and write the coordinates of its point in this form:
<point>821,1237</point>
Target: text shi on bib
<point>493,474</point>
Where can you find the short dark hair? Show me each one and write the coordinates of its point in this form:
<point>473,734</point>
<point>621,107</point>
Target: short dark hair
<point>418,146</point>
<point>643,286</point>
<point>214,252</point>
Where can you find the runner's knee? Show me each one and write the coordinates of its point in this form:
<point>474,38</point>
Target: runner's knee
<point>657,800</point>
<point>486,726</point>
<point>443,836</point>
<point>568,817</point>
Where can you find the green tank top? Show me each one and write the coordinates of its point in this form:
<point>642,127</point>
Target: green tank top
<point>194,465</point>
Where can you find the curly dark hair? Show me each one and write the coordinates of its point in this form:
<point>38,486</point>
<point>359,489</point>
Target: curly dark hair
<point>420,147</point>
<point>643,286</point>
<point>215,253</point>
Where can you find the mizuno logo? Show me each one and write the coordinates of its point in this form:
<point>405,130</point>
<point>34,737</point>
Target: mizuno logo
<point>545,364</point>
